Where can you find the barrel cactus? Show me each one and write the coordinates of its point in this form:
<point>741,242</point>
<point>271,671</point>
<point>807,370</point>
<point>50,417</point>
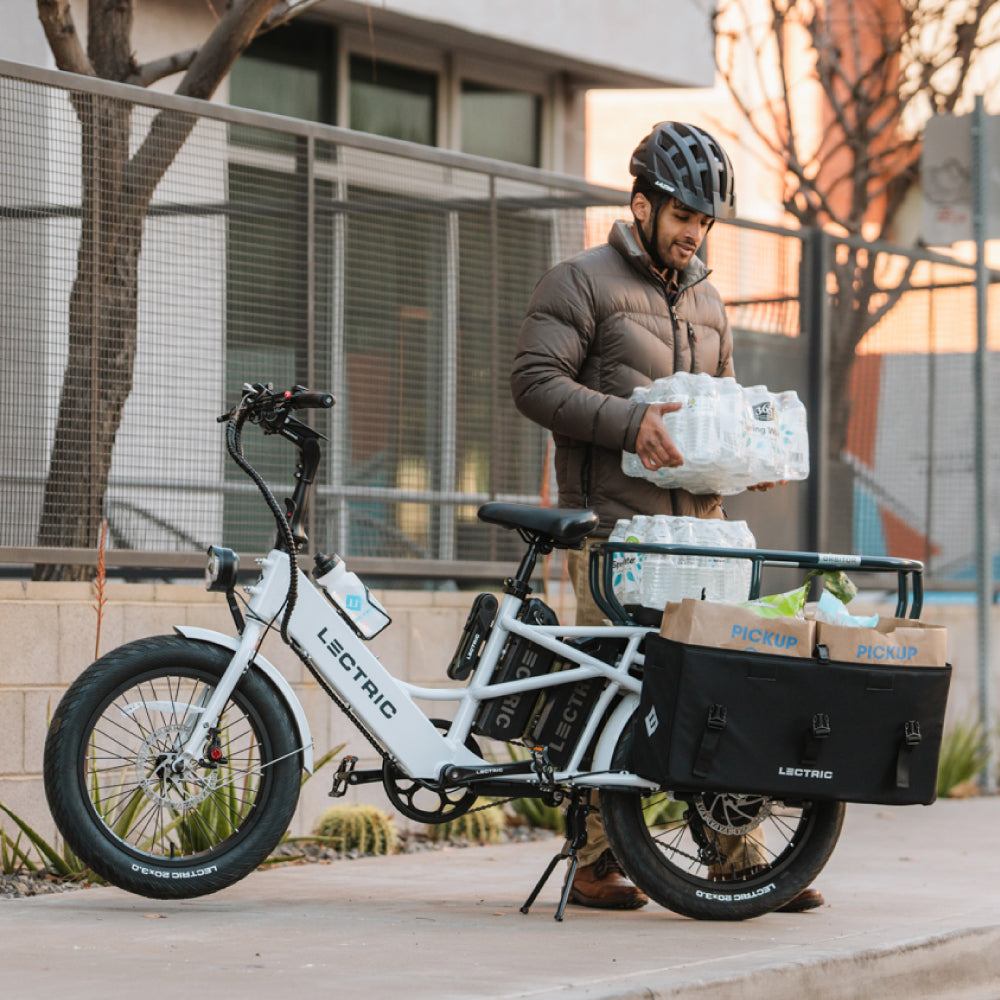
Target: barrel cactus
<point>484,826</point>
<point>365,829</point>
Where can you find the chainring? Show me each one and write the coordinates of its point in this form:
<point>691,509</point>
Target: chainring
<point>423,802</point>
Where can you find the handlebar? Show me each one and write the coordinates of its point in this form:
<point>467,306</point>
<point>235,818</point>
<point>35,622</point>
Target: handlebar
<point>260,402</point>
<point>272,410</point>
<point>308,400</point>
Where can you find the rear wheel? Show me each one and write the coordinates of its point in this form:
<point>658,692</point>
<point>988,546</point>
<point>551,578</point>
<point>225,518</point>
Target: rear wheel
<point>717,855</point>
<point>129,802</point>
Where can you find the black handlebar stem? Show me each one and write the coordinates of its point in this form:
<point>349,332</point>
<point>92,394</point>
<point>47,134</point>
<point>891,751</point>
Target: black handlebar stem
<point>272,410</point>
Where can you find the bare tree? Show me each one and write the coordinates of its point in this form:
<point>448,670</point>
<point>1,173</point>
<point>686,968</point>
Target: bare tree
<point>838,92</point>
<point>117,188</point>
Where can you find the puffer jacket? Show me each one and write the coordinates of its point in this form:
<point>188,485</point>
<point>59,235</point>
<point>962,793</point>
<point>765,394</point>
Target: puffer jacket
<point>598,325</point>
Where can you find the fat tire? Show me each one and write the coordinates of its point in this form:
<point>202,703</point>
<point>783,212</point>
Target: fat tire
<point>266,794</point>
<point>675,881</point>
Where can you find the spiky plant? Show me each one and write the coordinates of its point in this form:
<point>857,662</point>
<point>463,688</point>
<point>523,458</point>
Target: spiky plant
<point>484,826</point>
<point>358,827</point>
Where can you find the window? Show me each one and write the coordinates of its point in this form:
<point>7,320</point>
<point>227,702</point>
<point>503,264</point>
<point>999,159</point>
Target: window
<point>288,71</point>
<point>501,124</point>
<point>393,101</point>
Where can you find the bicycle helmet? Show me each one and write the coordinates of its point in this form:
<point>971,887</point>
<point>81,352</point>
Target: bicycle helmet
<point>686,163</point>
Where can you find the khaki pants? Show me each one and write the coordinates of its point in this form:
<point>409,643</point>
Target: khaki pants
<point>740,851</point>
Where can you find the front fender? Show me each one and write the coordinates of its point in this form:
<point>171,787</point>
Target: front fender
<point>272,673</point>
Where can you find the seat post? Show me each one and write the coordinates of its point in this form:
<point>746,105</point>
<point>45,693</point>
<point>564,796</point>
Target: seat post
<point>520,583</point>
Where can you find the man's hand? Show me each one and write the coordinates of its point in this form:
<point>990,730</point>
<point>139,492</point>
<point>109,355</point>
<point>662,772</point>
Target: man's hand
<point>653,444</point>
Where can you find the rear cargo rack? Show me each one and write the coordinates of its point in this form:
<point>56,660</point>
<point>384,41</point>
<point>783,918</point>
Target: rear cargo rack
<point>909,572</point>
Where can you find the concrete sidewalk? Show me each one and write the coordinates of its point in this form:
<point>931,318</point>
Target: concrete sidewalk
<point>913,911</point>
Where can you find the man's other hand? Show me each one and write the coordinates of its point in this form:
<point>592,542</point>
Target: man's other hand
<point>653,445</point>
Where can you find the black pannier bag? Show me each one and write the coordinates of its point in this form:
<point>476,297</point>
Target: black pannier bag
<point>789,727</point>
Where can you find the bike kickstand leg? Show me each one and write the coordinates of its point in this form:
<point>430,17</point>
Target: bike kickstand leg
<point>576,837</point>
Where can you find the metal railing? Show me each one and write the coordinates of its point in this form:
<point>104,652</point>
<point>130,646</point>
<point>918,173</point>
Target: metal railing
<point>157,252</point>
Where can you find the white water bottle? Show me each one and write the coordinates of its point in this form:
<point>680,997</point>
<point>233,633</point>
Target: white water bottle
<point>737,573</point>
<point>620,568</point>
<point>793,435</point>
<point>350,596</point>
<point>764,438</point>
<point>657,570</point>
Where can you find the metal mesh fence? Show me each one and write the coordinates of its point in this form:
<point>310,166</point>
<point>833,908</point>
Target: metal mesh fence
<point>908,453</point>
<point>153,260</point>
<point>157,253</point>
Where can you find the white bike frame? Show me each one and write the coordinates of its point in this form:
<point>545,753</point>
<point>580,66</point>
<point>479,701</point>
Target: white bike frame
<point>385,707</point>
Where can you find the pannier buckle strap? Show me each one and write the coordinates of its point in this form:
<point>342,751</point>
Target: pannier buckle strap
<point>715,723</point>
<point>814,739</point>
<point>821,725</point>
<point>911,740</point>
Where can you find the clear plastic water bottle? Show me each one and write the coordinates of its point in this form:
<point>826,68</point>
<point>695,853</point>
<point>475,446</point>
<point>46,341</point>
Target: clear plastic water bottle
<point>793,435</point>
<point>735,434</point>
<point>657,570</point>
<point>620,570</point>
<point>764,466</point>
<point>703,457</point>
<point>638,531</point>
<point>737,572</point>
<point>688,576</point>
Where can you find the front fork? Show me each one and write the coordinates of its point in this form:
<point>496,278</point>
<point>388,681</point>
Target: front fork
<point>208,718</point>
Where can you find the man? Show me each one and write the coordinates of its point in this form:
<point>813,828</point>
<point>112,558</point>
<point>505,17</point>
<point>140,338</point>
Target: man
<point>611,318</point>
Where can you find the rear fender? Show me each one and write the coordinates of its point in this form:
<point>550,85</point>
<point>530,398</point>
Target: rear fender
<point>273,675</point>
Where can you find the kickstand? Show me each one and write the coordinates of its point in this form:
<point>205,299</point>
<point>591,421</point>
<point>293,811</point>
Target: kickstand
<point>576,837</point>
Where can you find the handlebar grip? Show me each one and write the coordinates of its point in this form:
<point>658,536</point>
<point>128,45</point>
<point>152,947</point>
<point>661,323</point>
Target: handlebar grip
<point>309,400</point>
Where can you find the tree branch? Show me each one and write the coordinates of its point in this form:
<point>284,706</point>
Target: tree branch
<point>62,36</point>
<point>234,32</point>
<point>159,68</point>
<point>284,12</point>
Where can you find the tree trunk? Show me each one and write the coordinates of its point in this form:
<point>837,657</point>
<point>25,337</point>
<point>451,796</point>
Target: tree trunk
<point>102,336</point>
<point>116,192</point>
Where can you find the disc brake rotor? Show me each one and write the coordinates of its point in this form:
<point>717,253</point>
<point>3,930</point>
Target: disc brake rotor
<point>156,774</point>
<point>727,812</point>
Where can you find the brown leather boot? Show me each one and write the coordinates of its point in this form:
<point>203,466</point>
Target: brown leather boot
<point>807,899</point>
<point>604,885</point>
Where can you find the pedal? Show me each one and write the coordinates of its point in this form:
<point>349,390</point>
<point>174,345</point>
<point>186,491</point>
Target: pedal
<point>343,777</point>
<point>542,767</point>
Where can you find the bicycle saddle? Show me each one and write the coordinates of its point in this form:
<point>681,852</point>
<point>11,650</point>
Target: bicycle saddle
<point>564,526</point>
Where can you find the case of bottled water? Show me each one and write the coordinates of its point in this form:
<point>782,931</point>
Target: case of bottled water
<point>730,437</point>
<point>652,580</point>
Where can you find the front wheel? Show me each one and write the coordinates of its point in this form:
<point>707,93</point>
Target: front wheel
<point>133,806</point>
<point>717,855</point>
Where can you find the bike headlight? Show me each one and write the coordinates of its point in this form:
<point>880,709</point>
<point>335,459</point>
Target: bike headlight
<point>223,566</point>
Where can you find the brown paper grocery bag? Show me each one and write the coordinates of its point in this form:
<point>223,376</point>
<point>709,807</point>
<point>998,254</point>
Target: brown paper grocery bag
<point>893,642</point>
<point>728,626</point>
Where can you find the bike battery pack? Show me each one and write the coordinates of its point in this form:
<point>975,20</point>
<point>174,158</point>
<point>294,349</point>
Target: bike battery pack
<point>508,718</point>
<point>559,722</point>
<point>470,645</point>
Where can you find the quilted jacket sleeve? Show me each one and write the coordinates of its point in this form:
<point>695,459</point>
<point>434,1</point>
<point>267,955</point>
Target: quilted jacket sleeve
<point>557,338</point>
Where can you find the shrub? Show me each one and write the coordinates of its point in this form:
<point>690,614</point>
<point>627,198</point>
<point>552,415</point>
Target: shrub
<point>358,827</point>
<point>538,815</point>
<point>963,754</point>
<point>485,826</point>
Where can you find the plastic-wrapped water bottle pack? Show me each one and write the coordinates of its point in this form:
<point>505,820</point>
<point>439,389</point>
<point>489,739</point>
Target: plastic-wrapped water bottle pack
<point>651,580</point>
<point>730,437</point>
